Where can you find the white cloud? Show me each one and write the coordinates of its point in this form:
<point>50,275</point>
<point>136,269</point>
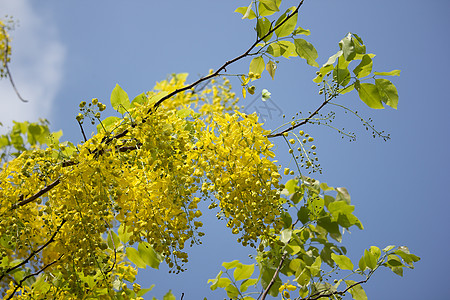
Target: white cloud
<point>36,65</point>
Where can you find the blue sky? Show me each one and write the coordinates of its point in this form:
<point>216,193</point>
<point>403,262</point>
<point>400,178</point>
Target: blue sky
<point>65,52</point>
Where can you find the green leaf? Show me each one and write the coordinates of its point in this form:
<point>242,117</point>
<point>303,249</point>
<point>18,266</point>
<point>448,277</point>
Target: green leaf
<point>341,76</point>
<point>388,92</point>
<point>263,26</point>
<point>243,272</point>
<point>271,67</point>
<point>184,112</point>
<point>369,258</point>
<point>215,281</point>
<point>357,291</point>
<point>247,12</point>
<point>113,243</point>
<point>362,264</point>
<point>285,235</point>
<point>142,292</point>
<point>342,261</point>
<point>232,291</point>
<point>247,283</point>
<point>270,5</point>
<point>287,219</point>
<point>307,51</point>
<point>124,236</point>
<point>394,261</point>
<point>149,255</point>
<point>257,65</point>
<point>282,48</point>
<point>348,47</point>
<point>134,257</point>
<point>303,214</point>
<point>343,195</point>
<point>231,265</point>
<point>332,59</point>
<point>375,251</point>
<point>315,205</point>
<point>315,267</point>
<point>300,30</point>
<point>120,100</point>
<point>140,99</point>
<point>264,10</point>
<point>398,271</point>
<point>391,73</point>
<point>370,95</point>
<point>364,68</point>
<point>291,186</point>
<point>169,296</point>
<point>388,248</point>
<point>107,123</point>
<point>289,26</point>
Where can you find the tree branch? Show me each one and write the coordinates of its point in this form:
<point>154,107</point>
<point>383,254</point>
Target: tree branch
<point>227,63</point>
<point>52,239</point>
<point>272,281</point>
<point>32,275</point>
<point>5,64</point>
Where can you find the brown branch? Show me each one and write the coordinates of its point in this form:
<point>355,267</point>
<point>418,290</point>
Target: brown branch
<point>304,121</point>
<point>159,102</point>
<point>52,239</point>
<point>37,195</point>
<point>5,64</point>
<point>227,63</point>
<point>272,281</point>
<point>32,275</point>
<point>335,293</point>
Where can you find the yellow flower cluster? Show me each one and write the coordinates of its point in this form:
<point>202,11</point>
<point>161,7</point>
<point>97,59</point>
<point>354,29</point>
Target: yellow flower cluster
<point>150,180</point>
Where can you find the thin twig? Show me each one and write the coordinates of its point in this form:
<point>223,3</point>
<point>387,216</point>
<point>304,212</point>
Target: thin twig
<point>227,63</point>
<point>52,239</point>
<point>272,281</point>
<point>5,64</point>
<point>32,275</point>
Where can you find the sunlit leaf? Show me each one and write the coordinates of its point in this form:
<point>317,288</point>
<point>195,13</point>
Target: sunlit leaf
<point>391,73</point>
<point>307,51</point>
<point>257,65</point>
<point>243,272</point>
<point>388,92</point>
<point>120,100</point>
<point>370,95</point>
<point>356,291</point>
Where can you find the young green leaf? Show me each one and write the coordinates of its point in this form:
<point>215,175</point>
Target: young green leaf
<point>307,51</point>
<point>289,26</point>
<point>348,47</point>
<point>391,73</point>
<point>370,95</point>
<point>243,272</point>
<point>364,68</point>
<point>271,67</point>
<point>356,291</point>
<point>149,255</point>
<point>342,261</point>
<point>263,26</point>
<point>247,283</point>
<point>246,11</point>
<point>369,258</point>
<point>169,296</point>
<point>120,100</point>
<point>231,264</point>
<point>257,65</point>
<point>270,5</point>
<point>388,92</point>
<point>134,256</point>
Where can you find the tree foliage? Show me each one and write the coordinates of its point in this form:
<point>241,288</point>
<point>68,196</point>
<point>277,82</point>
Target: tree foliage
<point>78,221</point>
